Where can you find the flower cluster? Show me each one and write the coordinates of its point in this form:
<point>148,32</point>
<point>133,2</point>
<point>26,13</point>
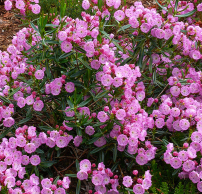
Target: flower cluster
<point>23,6</point>
<point>102,176</point>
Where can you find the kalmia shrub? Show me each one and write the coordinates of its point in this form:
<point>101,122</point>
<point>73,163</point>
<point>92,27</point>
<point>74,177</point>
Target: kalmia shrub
<point>122,86</point>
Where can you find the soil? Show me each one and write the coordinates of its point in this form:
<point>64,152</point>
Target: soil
<point>9,25</point>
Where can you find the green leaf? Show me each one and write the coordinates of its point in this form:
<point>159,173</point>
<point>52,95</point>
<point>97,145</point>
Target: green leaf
<point>39,151</point>
<point>47,164</point>
<point>78,187</point>
<point>65,55</point>
<point>114,153</point>
<point>176,4</point>
<point>102,94</point>
<point>114,166</point>
<point>129,155</point>
<point>24,120</point>
<point>97,150</point>
<point>161,6</point>
<point>77,166</point>
<point>46,128</point>
<point>150,64</point>
<point>5,132</point>
<point>85,102</point>
<point>14,91</point>
<point>84,63</point>
<point>123,28</point>
<point>186,14</point>
<point>71,175</point>
<point>93,139</point>
<point>34,27</point>
<point>56,179</point>
<point>78,73</point>
<point>5,99</point>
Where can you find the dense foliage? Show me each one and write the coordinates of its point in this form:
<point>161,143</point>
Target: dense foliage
<point>118,92</point>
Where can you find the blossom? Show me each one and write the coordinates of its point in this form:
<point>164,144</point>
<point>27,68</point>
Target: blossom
<point>119,15</point>
<point>82,175</point>
<point>89,130</point>
<point>69,87</point>
<point>175,163</point>
<point>36,8</point>
<point>39,74</point>
<point>102,116</point>
<point>121,114</point>
<point>66,46</point>
<point>35,160</point>
<point>127,181</point>
<point>138,189</point>
<point>38,105</point>
<point>122,140</point>
<point>85,165</point>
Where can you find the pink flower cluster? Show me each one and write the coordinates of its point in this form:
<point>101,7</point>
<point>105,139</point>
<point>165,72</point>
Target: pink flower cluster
<point>102,177</point>
<point>23,6</point>
<point>13,162</point>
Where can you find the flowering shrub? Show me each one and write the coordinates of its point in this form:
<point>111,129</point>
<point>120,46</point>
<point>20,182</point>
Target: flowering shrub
<point>128,99</point>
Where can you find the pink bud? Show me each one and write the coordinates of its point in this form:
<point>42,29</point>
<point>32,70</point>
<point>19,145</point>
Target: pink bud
<point>135,172</point>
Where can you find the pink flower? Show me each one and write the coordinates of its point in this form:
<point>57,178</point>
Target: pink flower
<point>199,7</point>
<point>8,5</point>
<point>82,175</point>
<point>138,189</point>
<point>20,4</point>
<point>89,130</point>
<point>85,4</point>
<point>95,64</point>
<point>30,148</point>
<point>46,183</point>
<point>119,15</point>
<point>55,90</point>
<point>36,8</point>
<point>121,114</point>
<point>78,140</point>
<point>38,105</point>
<point>102,116</point>
<point>175,91</point>
<point>183,156</point>
<point>61,141</point>
<point>66,46</point>
<point>185,90</point>
<point>21,102</point>
<point>199,184</point>
<point>127,181</point>
<point>69,87</point>
<point>100,142</point>
<point>159,123</point>
<point>8,122</point>
<point>85,165</point>
<point>30,100</point>
<point>59,191</point>
<point>194,177</point>
<point>188,166</point>
<point>175,163</point>
<point>35,160</point>
<point>141,159</point>
<point>146,183</point>
<point>122,140</point>
<point>184,124</point>
<point>145,27</point>
<point>65,182</point>
<point>97,179</point>
<point>106,80</point>
<point>117,82</point>
<point>39,74</point>
<point>134,22</point>
<point>62,35</point>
